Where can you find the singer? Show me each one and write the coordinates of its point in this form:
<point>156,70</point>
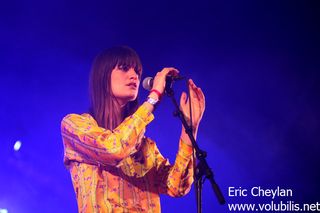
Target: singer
<point>114,167</point>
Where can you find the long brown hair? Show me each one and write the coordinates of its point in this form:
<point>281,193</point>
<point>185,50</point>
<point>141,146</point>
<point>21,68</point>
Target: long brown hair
<point>104,107</point>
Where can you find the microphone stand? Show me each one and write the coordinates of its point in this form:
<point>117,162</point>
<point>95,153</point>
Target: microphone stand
<point>202,169</point>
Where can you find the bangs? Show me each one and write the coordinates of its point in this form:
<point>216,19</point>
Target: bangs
<point>125,57</point>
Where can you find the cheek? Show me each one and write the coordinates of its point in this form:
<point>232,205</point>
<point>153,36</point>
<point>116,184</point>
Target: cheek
<point>115,81</point>
<point>114,86</point>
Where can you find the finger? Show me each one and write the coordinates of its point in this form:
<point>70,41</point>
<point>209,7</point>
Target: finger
<point>193,86</point>
<point>183,99</point>
<point>194,90</point>
<point>170,70</point>
<point>173,72</point>
<point>202,98</point>
<point>197,98</point>
<point>167,71</point>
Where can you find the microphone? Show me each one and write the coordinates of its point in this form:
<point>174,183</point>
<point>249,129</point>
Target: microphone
<point>147,83</point>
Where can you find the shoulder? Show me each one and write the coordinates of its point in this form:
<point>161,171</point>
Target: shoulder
<point>78,119</point>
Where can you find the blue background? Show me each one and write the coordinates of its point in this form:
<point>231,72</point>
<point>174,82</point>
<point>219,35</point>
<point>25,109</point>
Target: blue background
<point>256,61</point>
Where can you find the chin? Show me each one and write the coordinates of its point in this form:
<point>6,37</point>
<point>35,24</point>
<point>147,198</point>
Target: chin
<point>132,98</point>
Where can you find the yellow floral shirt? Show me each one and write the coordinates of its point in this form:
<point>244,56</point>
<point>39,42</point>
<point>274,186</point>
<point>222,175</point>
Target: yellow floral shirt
<point>121,170</point>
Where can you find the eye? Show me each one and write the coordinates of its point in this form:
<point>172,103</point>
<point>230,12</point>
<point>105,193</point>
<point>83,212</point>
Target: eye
<point>124,67</point>
<point>138,71</point>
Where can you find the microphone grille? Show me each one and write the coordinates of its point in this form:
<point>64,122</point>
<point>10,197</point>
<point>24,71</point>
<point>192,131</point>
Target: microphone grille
<point>147,83</point>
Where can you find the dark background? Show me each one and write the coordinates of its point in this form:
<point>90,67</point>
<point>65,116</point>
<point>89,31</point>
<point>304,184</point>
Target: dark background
<point>256,61</point>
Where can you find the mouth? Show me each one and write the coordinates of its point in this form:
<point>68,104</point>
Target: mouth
<point>134,85</point>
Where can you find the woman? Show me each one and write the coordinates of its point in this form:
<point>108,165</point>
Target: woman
<point>114,167</point>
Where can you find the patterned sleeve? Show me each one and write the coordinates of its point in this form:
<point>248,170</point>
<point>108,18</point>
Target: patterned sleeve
<point>85,141</point>
<point>175,180</point>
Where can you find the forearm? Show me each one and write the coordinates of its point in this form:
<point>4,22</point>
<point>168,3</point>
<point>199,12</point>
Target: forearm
<point>149,106</point>
<point>176,180</point>
<point>185,137</point>
<point>94,143</point>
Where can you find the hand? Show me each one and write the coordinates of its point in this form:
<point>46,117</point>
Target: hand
<point>197,104</point>
<point>159,81</point>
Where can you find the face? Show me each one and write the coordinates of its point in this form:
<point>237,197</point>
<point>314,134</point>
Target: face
<point>124,84</point>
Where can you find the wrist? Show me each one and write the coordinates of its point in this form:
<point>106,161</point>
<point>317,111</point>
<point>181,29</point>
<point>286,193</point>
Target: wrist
<point>194,132</point>
<point>149,106</point>
<point>153,95</point>
<point>152,101</point>
<point>156,92</point>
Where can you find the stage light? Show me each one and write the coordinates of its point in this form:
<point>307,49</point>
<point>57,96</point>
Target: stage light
<point>16,147</point>
<point>3,211</point>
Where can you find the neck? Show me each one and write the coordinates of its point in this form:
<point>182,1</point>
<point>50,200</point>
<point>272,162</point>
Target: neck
<point>121,107</point>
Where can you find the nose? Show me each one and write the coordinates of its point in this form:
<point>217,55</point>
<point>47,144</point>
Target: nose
<point>132,74</point>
